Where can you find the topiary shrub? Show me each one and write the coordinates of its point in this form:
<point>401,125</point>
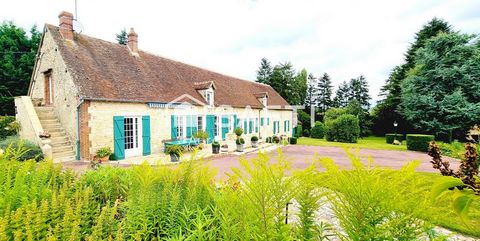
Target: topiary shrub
<point>306,133</point>
<point>318,131</point>
<point>21,149</point>
<point>345,128</point>
<point>268,139</point>
<point>292,140</point>
<point>299,131</point>
<point>389,137</point>
<point>417,142</point>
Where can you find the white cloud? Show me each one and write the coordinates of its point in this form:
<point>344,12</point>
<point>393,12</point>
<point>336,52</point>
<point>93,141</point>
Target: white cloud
<point>343,38</point>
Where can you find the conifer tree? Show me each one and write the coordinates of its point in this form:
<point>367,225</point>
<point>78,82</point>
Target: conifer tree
<point>122,37</point>
<point>324,93</point>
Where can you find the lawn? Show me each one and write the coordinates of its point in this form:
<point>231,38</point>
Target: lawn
<point>370,142</point>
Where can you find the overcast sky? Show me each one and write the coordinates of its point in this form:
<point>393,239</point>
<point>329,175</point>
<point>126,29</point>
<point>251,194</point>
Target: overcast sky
<point>343,38</point>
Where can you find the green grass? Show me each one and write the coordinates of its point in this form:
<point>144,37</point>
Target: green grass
<point>370,142</point>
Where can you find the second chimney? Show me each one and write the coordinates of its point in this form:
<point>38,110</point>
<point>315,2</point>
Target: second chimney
<point>133,41</point>
<point>66,25</point>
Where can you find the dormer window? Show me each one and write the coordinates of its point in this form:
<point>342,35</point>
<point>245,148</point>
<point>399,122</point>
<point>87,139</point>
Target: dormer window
<point>206,89</point>
<point>264,101</point>
<point>209,96</point>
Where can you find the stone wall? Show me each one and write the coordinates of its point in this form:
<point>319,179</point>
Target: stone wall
<point>65,95</point>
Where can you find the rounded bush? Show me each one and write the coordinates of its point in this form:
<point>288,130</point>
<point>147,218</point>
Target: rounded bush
<point>389,137</point>
<point>293,140</point>
<point>268,139</point>
<point>238,131</point>
<point>417,142</point>
<point>25,150</point>
<point>254,138</point>
<point>345,128</point>
<point>318,130</point>
<point>306,133</point>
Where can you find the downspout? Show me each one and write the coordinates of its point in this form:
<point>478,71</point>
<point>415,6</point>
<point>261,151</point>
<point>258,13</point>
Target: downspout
<point>77,142</point>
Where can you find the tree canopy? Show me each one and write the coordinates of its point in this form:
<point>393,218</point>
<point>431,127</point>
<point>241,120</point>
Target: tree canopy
<point>441,94</point>
<point>17,57</point>
<point>122,37</point>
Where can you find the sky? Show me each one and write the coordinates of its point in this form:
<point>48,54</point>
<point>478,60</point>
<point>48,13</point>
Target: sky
<point>342,38</point>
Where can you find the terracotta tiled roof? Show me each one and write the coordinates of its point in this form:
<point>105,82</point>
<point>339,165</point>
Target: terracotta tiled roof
<point>204,85</point>
<point>107,71</point>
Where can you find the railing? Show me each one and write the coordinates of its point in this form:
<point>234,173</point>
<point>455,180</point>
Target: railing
<point>30,126</point>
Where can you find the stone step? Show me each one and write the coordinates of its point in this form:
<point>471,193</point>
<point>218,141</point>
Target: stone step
<point>49,121</point>
<point>64,159</point>
<point>57,134</point>
<point>54,129</point>
<point>50,126</point>
<point>64,154</point>
<point>59,139</point>
<point>60,143</point>
<point>57,149</point>
<point>44,109</point>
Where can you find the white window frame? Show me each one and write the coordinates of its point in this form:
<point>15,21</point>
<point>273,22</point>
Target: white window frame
<point>181,130</point>
<point>136,150</point>
<point>200,120</point>
<point>209,97</point>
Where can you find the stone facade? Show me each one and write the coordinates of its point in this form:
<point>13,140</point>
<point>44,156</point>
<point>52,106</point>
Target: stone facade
<point>65,94</point>
<point>102,113</point>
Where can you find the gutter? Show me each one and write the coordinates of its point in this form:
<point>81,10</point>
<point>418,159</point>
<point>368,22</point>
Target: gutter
<point>77,141</point>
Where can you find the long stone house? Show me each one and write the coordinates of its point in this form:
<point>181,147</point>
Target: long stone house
<point>88,93</point>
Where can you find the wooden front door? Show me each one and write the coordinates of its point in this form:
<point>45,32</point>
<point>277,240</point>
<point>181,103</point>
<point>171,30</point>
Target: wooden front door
<point>48,89</point>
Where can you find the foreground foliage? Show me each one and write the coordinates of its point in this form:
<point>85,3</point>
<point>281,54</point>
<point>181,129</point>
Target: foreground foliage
<point>39,201</point>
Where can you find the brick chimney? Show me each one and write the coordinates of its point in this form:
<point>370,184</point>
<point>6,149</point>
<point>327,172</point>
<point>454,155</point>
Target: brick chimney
<point>133,41</point>
<point>66,25</point>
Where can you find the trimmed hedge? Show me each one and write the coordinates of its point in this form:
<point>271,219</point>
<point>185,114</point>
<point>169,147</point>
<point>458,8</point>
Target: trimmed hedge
<point>389,137</point>
<point>5,121</point>
<point>318,131</point>
<point>299,131</point>
<point>417,142</point>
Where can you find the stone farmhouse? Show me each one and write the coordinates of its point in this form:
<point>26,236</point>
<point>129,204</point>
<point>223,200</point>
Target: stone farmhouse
<point>87,93</point>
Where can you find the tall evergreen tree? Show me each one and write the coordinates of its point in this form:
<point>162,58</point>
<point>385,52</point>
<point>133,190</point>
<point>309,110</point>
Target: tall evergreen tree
<point>358,90</point>
<point>122,37</point>
<point>299,88</point>
<point>311,96</point>
<point>17,57</point>
<point>324,96</point>
<point>342,95</point>
<point>282,80</point>
<point>264,72</point>
<point>387,109</point>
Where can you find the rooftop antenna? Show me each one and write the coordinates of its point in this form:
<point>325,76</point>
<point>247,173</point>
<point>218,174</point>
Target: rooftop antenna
<point>77,26</point>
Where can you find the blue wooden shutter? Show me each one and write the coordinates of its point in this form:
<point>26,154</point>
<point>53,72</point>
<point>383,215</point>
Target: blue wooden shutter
<point>210,129</point>
<point>268,121</point>
<point>194,124</point>
<point>225,125</point>
<point>235,121</point>
<point>256,125</point>
<point>262,120</point>
<point>284,126</point>
<point>118,137</point>
<point>174,128</point>
<point>245,126</point>
<point>189,126</point>
<point>250,126</point>
<point>146,134</point>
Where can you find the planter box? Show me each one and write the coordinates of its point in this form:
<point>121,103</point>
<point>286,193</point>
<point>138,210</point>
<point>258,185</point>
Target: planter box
<point>215,149</point>
<point>254,144</point>
<point>174,158</point>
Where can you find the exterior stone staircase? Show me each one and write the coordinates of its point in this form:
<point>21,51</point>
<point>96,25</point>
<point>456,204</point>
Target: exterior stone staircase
<point>62,147</point>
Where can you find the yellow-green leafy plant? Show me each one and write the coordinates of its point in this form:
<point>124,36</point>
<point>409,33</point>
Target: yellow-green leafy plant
<point>373,203</point>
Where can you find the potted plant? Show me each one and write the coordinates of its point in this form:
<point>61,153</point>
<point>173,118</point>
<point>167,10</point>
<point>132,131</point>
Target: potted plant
<point>240,142</point>
<point>224,148</point>
<point>175,151</point>
<point>44,135</point>
<point>201,135</point>
<point>254,141</point>
<point>103,154</point>
<point>275,139</point>
<point>215,147</point>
